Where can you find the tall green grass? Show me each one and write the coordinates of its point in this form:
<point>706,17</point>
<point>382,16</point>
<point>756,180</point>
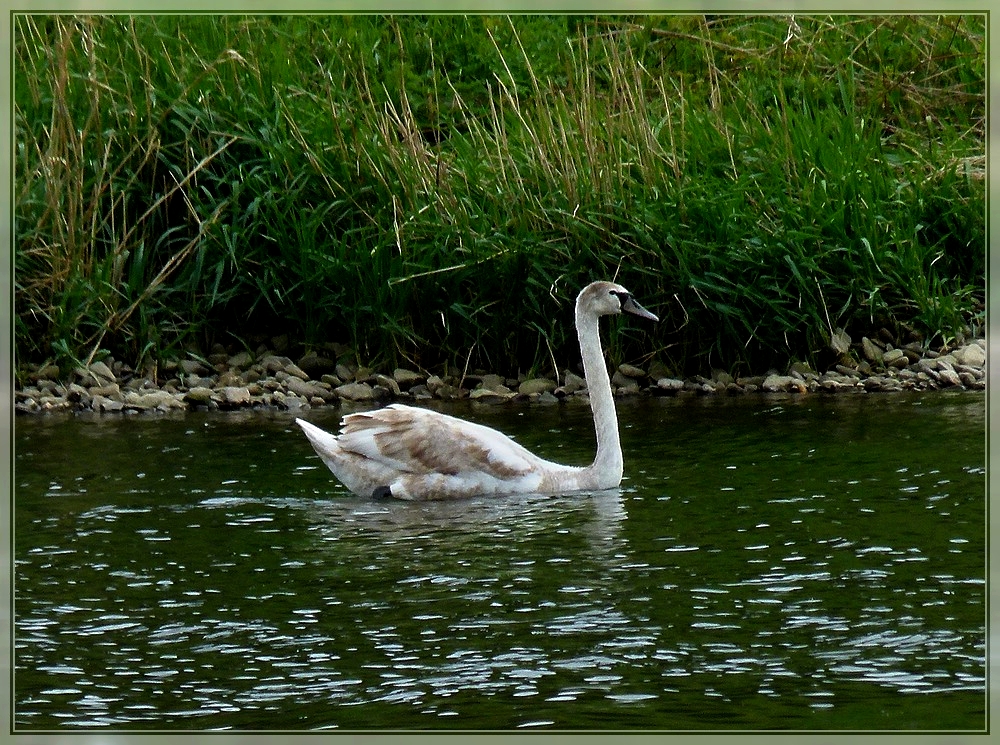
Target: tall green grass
<point>433,189</point>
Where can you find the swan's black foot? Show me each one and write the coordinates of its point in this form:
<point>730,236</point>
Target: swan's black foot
<point>382,492</point>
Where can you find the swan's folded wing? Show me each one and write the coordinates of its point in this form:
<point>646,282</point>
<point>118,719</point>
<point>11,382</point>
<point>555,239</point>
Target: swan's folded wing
<point>421,441</point>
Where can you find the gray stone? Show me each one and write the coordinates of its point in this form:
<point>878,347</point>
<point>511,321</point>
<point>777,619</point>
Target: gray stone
<point>573,382</point>
<point>801,371</point>
<point>106,405</point>
<point>658,370</point>
<point>536,385</point>
<point>154,400</point>
<point>234,395</point>
<point>624,383</point>
<point>491,396</point>
<point>240,360</point>
<point>199,395</point>
<point>631,371</point>
<point>192,367</point>
<point>389,384</point>
<point>448,391</point>
<point>355,392</point>
<point>971,355</point>
<point>307,390</point>
<point>102,372</point>
<point>111,390</point>
<point>778,383</point>
<point>229,378</point>
<point>292,369</point>
<point>46,371</point>
<point>895,358</point>
<point>721,378</point>
<point>493,383</point>
<point>407,378</point>
<point>272,363</point>
<point>316,365</point>
<point>840,342</point>
<point>434,382</point>
<point>949,377</point>
<point>871,352</point>
<point>670,384</point>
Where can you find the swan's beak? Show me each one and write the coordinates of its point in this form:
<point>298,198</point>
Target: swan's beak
<point>631,306</point>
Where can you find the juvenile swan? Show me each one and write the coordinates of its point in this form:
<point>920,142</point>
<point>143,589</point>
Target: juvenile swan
<point>418,454</point>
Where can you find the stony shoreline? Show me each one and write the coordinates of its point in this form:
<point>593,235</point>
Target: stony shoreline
<point>226,380</point>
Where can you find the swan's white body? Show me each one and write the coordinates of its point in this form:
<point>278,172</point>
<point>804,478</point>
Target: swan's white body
<point>419,454</point>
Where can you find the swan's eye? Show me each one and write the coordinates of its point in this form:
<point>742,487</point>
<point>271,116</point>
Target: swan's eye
<point>622,296</point>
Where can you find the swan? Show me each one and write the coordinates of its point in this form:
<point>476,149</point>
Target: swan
<point>417,454</point>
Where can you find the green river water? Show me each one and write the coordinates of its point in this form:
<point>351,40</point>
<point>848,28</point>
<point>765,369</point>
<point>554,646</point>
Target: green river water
<point>812,563</point>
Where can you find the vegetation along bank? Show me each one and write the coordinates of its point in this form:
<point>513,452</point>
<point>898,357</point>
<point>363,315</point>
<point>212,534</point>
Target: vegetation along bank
<point>428,193</point>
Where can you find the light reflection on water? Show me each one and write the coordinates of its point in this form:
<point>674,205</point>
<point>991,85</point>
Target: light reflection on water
<point>765,566</point>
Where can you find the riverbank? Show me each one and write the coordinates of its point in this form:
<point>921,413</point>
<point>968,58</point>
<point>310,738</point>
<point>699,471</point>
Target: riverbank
<point>427,187</point>
<point>268,379</point>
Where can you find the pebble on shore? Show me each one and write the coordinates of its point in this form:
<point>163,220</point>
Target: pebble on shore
<point>224,381</point>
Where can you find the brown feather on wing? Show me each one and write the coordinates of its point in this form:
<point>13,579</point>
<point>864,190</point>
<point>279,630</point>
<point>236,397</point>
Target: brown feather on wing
<point>421,441</point>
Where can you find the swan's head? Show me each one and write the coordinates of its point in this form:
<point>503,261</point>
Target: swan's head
<point>608,299</point>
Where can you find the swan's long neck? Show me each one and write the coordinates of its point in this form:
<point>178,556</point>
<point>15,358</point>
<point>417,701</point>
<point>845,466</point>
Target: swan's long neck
<point>608,464</point>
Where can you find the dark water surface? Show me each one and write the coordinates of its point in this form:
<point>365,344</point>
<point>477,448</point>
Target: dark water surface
<point>791,563</point>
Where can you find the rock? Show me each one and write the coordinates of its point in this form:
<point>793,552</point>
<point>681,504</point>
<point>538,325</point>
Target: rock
<point>272,363</point>
<point>154,400</point>
<point>434,382</point>
<point>871,352</point>
<point>355,392</point>
<point>631,371</point>
<point>448,391</point>
<point>775,383</point>
<point>493,383</point>
<point>670,384</point>
<point>536,385</point>
<point>573,382</point>
<point>344,372</point>
<point>406,378</point>
<point>192,367</point>
<point>233,396</point>
<point>308,390</point>
<point>840,342</point>
<point>315,365</point>
<point>229,378</point>
<point>971,355</point>
<point>292,369</point>
<point>895,358</point>
<point>658,370</point>
<point>105,405</point>
<point>46,371</point>
<point>77,393</point>
<point>801,370</point>
<point>102,372</point>
<point>623,383</point>
<point>199,395</point>
<point>721,378</point>
<point>835,384</point>
<point>111,390</point>
<point>240,360</point>
<point>388,384</point>
<point>949,377</point>
<point>490,396</point>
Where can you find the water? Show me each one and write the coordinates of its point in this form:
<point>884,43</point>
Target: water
<point>795,563</point>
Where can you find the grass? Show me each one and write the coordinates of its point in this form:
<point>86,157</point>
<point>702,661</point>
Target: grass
<point>436,189</point>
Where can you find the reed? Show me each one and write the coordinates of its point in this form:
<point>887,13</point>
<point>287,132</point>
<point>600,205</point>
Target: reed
<point>435,189</point>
